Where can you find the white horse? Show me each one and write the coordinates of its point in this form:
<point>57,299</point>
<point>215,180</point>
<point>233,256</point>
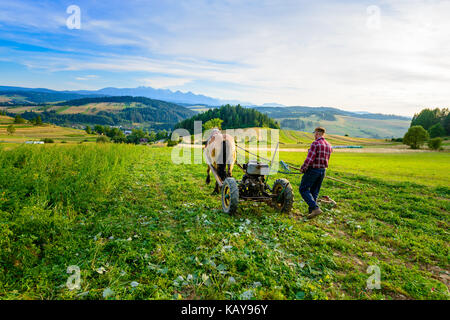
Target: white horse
<point>220,152</point>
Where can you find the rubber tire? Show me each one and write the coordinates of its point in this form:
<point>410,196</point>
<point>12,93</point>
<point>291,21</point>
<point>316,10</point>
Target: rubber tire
<point>288,195</point>
<point>234,196</point>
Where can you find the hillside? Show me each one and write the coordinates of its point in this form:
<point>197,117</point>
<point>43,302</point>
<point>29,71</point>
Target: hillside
<point>22,97</point>
<point>75,108</point>
<point>148,92</point>
<point>298,138</point>
<point>113,111</point>
<point>6,119</point>
<point>27,131</point>
<point>340,122</point>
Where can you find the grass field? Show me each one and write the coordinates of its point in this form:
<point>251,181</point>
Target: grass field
<point>5,120</point>
<point>140,227</point>
<point>91,108</point>
<point>432,169</point>
<point>292,138</point>
<point>27,131</point>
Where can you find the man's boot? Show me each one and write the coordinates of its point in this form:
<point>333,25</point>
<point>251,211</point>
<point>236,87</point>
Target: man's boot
<point>315,213</point>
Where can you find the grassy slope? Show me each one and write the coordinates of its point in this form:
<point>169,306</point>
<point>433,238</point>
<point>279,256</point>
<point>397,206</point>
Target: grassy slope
<point>90,108</point>
<point>10,97</point>
<point>300,139</point>
<point>27,131</point>
<point>292,138</point>
<point>359,127</point>
<point>6,120</point>
<point>148,220</point>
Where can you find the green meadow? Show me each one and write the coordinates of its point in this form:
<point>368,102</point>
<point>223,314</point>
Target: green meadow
<point>140,227</point>
<point>26,132</point>
<point>427,168</point>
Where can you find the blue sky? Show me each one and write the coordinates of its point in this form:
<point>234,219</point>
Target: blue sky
<point>388,56</point>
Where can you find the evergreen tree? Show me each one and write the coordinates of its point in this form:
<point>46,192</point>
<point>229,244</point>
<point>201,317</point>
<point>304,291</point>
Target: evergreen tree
<point>430,117</point>
<point>436,130</point>
<point>426,118</point>
<point>232,117</point>
<point>446,124</point>
<point>18,119</point>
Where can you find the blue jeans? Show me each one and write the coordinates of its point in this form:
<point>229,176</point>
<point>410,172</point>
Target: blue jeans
<point>310,186</point>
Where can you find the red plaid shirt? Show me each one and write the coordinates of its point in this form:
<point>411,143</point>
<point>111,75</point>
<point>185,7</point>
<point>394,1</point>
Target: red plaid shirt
<point>318,154</point>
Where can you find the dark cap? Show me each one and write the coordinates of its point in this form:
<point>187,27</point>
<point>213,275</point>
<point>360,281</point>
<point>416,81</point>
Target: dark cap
<point>320,129</point>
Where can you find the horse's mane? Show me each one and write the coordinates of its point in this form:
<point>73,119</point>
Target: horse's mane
<point>214,131</point>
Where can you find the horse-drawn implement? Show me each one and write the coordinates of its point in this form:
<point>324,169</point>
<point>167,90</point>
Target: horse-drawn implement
<point>254,187</point>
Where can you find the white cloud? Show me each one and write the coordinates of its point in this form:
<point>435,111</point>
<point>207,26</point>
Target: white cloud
<point>164,82</point>
<point>291,52</point>
<point>88,77</point>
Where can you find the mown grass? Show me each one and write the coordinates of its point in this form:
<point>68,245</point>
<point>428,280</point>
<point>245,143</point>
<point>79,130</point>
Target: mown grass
<point>127,214</point>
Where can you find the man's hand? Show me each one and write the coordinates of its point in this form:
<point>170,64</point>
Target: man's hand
<point>302,170</point>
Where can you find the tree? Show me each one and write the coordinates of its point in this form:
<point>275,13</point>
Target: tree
<point>213,123</point>
<point>88,130</point>
<point>102,139</point>
<point>435,144</point>
<point>160,135</point>
<point>100,129</point>
<point>119,139</point>
<point>446,124</point>
<point>136,136</point>
<point>436,130</point>
<point>11,129</point>
<point>18,119</point>
<point>232,116</point>
<point>415,137</point>
<point>430,117</point>
<point>152,136</point>
<point>426,118</point>
<point>37,121</point>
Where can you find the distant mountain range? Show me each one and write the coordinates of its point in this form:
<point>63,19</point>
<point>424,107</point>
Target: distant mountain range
<point>42,95</point>
<point>302,118</point>
<point>24,96</point>
<point>148,92</point>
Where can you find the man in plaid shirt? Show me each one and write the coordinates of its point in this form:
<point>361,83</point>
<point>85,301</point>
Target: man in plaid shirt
<point>314,169</point>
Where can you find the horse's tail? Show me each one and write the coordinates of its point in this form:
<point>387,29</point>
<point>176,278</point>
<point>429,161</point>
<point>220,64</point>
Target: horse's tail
<point>222,165</point>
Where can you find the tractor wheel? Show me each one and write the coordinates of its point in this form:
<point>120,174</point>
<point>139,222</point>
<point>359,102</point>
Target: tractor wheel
<point>230,196</point>
<point>284,199</point>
